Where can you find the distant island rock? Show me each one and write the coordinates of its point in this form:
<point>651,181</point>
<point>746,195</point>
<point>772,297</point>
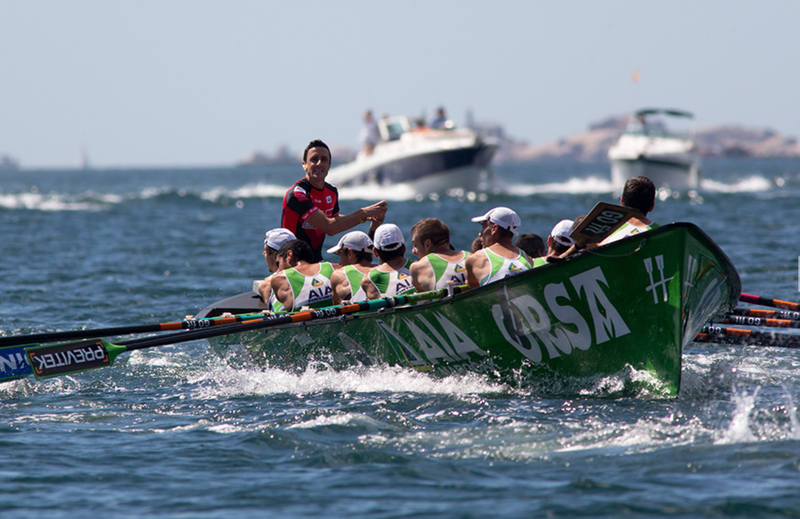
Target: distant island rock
<point>589,146</point>
<point>593,144</point>
<point>283,156</point>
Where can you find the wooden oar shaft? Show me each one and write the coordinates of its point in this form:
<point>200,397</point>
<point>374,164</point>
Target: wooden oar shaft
<point>763,301</point>
<point>188,324</point>
<point>725,335</point>
<point>767,314</point>
<point>281,319</point>
<point>67,358</point>
<point>760,321</point>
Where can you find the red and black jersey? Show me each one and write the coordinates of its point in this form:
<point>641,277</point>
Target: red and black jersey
<point>300,201</point>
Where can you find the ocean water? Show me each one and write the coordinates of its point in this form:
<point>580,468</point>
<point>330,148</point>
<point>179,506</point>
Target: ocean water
<point>174,431</point>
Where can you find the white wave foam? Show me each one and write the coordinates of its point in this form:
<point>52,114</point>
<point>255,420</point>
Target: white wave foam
<point>248,191</point>
<point>51,202</point>
<point>739,429</point>
<point>571,186</point>
<point>746,185</point>
<point>220,380</point>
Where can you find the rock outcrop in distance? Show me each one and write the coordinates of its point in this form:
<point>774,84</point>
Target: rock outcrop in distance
<point>593,144</point>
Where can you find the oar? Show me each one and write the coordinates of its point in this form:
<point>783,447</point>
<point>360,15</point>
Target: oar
<point>188,324</point>
<point>75,357</point>
<point>599,224</point>
<point>763,301</point>
<point>758,321</point>
<point>726,335</point>
<point>766,314</point>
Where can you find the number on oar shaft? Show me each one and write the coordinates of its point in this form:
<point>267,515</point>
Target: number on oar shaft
<point>767,314</point>
<point>760,321</point>
<point>724,335</point>
<point>602,220</point>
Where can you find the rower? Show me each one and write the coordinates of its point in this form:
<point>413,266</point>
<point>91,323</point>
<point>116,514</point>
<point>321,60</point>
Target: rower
<point>302,282</point>
<point>639,193</point>
<point>392,277</point>
<point>273,240</point>
<point>499,258</point>
<point>559,240</point>
<point>355,257</point>
<point>532,244</point>
<point>438,262</point>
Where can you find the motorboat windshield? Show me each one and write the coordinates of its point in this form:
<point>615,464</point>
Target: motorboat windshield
<point>656,122</point>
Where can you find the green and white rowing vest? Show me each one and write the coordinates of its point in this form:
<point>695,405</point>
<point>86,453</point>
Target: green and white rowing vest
<point>539,262</point>
<point>628,229</point>
<point>314,291</point>
<point>445,270</point>
<point>504,267</point>
<point>394,283</point>
<point>354,277</point>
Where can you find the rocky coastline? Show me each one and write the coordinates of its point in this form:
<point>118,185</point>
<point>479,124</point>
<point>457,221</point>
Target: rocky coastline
<point>593,144</point>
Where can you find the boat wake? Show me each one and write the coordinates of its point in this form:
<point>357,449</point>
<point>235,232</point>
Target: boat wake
<point>744,185</point>
<point>57,201</point>
<point>220,380</point>
<point>575,185</point>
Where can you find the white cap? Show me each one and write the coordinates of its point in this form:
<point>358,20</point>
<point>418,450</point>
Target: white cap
<point>277,237</point>
<point>388,234</point>
<point>561,232</point>
<point>356,240</point>
<point>502,216</point>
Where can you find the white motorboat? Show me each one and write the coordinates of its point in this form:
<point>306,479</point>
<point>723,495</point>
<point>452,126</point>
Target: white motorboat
<point>427,160</point>
<point>651,148</point>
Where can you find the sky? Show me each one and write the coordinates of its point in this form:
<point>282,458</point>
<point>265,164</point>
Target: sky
<point>188,83</point>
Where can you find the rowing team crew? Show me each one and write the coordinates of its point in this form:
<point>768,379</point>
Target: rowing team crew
<point>299,281</point>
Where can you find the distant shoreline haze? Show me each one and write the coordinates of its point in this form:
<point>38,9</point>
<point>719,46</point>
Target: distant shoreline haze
<point>729,141</point>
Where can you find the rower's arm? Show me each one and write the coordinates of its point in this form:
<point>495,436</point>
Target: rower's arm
<point>337,284</point>
<point>370,289</point>
<point>422,275</point>
<point>283,291</point>
<point>476,265</point>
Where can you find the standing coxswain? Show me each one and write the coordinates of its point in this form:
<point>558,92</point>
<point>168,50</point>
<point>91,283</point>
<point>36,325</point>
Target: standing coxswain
<point>311,205</point>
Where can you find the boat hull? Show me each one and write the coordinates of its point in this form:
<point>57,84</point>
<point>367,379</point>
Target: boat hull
<point>432,167</point>
<point>629,307</point>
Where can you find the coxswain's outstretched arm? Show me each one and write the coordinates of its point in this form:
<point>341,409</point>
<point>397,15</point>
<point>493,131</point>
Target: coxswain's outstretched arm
<point>341,223</point>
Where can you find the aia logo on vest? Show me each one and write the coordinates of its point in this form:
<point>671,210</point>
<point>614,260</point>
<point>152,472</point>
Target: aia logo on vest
<point>459,268</point>
<point>514,268</point>
<point>401,276</point>
<point>316,282</point>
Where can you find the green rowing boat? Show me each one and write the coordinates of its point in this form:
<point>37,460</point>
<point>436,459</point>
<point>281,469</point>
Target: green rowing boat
<point>632,305</point>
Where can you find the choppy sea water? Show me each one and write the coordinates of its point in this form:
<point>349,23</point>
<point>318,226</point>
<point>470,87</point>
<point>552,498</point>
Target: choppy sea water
<point>174,431</point>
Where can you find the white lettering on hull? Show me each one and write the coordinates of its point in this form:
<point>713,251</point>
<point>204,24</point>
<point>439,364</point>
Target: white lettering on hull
<point>605,326</point>
<point>524,322</point>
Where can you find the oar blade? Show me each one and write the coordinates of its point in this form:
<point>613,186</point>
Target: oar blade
<point>601,221</point>
<point>14,364</point>
<point>72,357</point>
